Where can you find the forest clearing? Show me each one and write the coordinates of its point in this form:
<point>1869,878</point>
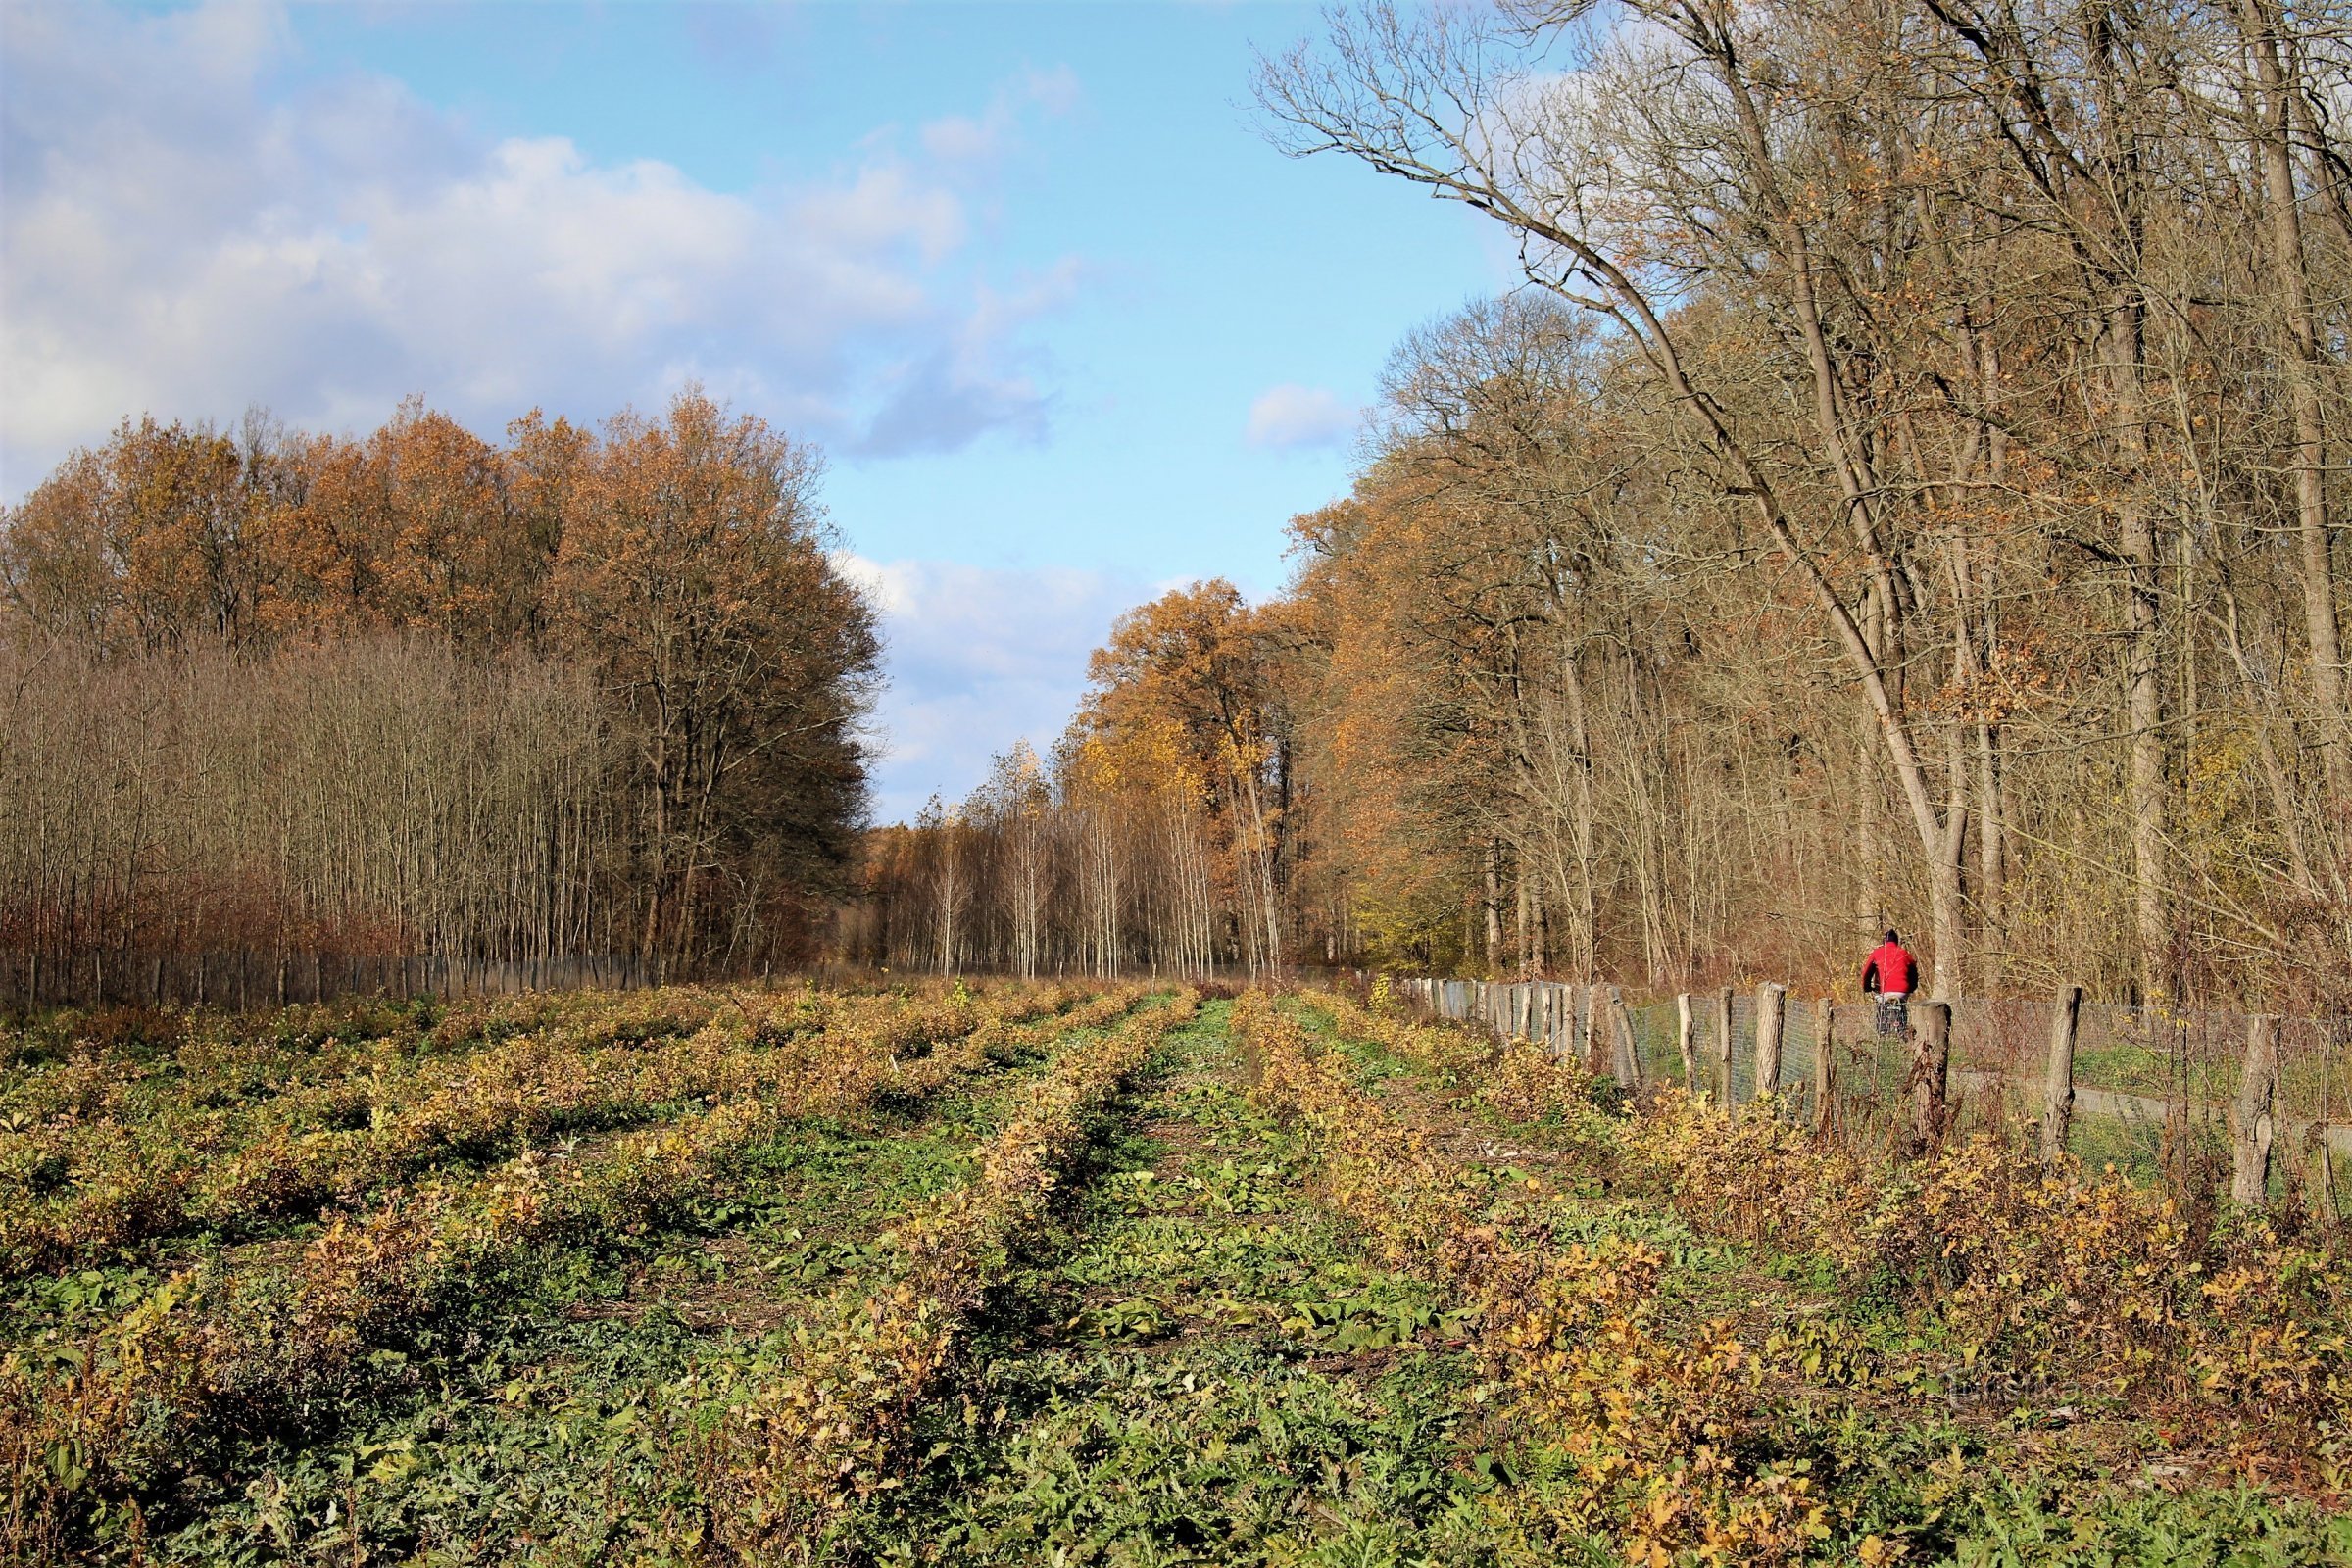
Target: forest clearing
<point>1108,1274</point>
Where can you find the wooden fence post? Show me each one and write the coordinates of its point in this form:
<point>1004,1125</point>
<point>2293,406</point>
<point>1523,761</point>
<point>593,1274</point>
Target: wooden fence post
<point>1825,1063</point>
<point>1628,1065</point>
<point>2251,1121</point>
<point>1587,1032</point>
<point>1686,1039</point>
<point>1931,1072</point>
<point>1772,1013</point>
<point>1722,1047</point>
<point>2058,1076</point>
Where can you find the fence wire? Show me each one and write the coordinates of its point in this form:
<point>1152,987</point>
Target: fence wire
<point>2152,1085</point>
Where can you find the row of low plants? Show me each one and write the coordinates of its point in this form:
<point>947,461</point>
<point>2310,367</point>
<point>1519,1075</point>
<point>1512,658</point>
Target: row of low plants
<point>1522,1084</point>
<point>125,1065</point>
<point>2229,1333</point>
<point>75,1190</point>
<point>2034,1340</point>
<point>1636,1430</point>
<point>1211,1372</point>
<point>2234,1325</point>
<point>543,1426</point>
<point>126,1062</point>
<point>95,1418</point>
<point>787,1432</point>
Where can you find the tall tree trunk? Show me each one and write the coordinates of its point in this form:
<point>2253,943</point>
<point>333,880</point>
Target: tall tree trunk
<point>2300,366</point>
<point>2144,674</point>
<point>1493,904</point>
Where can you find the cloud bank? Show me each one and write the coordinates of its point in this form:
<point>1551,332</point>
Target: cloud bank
<point>184,235</point>
<point>978,658</point>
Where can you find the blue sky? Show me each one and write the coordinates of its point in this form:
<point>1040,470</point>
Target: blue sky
<point>1068,328</point>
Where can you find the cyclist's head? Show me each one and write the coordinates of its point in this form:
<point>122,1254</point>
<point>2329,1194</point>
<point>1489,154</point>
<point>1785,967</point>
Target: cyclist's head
<point>1891,936</point>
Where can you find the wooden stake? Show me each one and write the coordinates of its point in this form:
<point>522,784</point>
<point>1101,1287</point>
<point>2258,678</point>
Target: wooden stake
<point>1628,1065</point>
<point>2251,1123</point>
<point>1825,1063</point>
<point>2058,1077</point>
<point>1686,1039</point>
<point>1930,1073</point>
<point>1772,1013</point>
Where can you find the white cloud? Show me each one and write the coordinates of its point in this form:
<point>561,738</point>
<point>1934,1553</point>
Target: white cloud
<point>183,236</point>
<point>979,138</point>
<point>979,657</point>
<point>1289,417</point>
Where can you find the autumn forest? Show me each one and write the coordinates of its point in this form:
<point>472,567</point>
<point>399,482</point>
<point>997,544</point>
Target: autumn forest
<point>590,691</point>
<point>1904,490</point>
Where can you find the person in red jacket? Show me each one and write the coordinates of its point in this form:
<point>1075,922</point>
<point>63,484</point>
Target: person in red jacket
<point>1888,978</point>
<point>1891,974</point>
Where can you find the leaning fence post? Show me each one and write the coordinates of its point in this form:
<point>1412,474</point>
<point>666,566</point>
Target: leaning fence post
<point>2251,1124</point>
<point>1686,1039</point>
<point>1722,1047</point>
<point>1931,1070</point>
<point>1825,1057</point>
<point>1588,1026</point>
<point>1772,1012</point>
<point>1629,1055</point>
<point>2058,1080</point>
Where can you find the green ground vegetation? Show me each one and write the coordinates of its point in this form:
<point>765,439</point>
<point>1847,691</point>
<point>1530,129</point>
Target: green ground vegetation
<point>1284,1285</point>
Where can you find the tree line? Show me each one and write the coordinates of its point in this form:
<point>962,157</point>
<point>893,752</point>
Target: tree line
<point>593,690</point>
<point>1153,837</point>
<point>1905,489</point>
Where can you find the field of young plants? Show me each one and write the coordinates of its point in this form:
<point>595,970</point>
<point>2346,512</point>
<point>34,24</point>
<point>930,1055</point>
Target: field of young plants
<point>1070,1275</point>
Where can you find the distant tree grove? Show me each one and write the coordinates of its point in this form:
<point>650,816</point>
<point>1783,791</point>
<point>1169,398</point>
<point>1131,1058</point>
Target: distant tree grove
<point>1905,490</point>
<point>593,691</point>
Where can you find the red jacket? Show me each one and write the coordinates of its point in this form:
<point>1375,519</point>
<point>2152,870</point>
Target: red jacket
<point>1890,968</point>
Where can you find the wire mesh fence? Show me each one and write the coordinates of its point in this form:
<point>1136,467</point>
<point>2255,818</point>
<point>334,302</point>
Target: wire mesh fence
<point>2151,1085</point>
